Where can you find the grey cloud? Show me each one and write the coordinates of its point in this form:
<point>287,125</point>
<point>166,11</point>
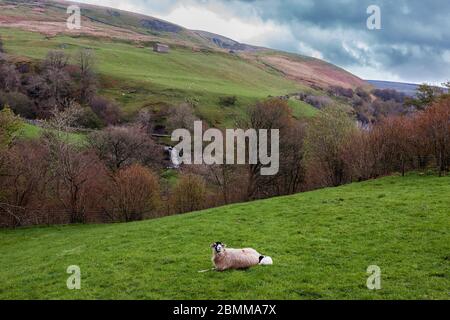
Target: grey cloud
<point>420,28</point>
<point>410,45</point>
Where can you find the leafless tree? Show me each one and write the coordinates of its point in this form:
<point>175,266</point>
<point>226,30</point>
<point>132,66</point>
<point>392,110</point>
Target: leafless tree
<point>181,117</point>
<point>9,77</point>
<point>189,194</point>
<point>27,174</point>
<point>292,159</point>
<point>61,88</point>
<point>106,110</point>
<point>121,146</point>
<point>326,137</point>
<point>144,120</point>
<point>269,114</point>
<point>436,126</point>
<point>133,194</point>
<point>55,60</point>
<point>71,167</point>
<point>86,64</point>
<point>228,180</point>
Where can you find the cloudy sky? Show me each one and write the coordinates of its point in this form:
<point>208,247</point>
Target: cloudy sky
<point>413,44</point>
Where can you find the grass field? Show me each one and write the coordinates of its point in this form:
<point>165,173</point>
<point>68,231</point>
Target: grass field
<point>138,77</point>
<point>321,242</point>
<point>301,109</point>
<point>29,131</point>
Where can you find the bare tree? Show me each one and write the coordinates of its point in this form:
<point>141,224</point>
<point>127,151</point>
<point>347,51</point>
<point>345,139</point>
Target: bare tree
<point>326,136</point>
<point>71,168</point>
<point>181,117</point>
<point>227,178</point>
<point>144,120</point>
<point>396,147</point>
<point>74,169</point>
<point>269,114</point>
<point>86,64</point>
<point>61,123</point>
<point>9,77</point>
<point>436,125</point>
<point>292,164</point>
<point>61,88</point>
<point>189,194</point>
<point>55,60</point>
<point>421,148</point>
<point>108,111</point>
<point>134,194</point>
<point>59,83</point>
<point>122,146</point>
<point>26,175</point>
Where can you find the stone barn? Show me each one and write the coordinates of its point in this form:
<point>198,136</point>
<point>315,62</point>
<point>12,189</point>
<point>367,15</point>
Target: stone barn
<point>161,48</point>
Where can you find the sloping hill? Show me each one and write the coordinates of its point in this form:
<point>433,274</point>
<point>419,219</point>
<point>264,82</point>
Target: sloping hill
<point>311,71</point>
<point>137,77</point>
<point>49,18</point>
<point>322,243</point>
<point>407,88</point>
<point>226,43</point>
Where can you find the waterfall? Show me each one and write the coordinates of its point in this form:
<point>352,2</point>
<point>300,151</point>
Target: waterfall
<point>175,158</point>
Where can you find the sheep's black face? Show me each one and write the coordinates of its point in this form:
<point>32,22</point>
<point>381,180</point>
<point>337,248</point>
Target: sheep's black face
<point>218,247</point>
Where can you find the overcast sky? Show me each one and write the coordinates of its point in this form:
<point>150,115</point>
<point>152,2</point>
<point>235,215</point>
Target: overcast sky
<point>413,44</point>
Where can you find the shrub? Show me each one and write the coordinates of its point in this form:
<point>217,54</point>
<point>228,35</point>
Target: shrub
<point>120,147</point>
<point>181,117</point>
<point>9,77</point>
<point>341,91</point>
<point>269,114</point>
<point>389,94</point>
<point>19,103</point>
<point>319,102</point>
<point>134,194</point>
<point>106,110</point>
<point>363,94</point>
<point>9,124</point>
<point>326,138</point>
<point>436,127</point>
<point>89,120</point>
<point>228,101</point>
<point>188,194</point>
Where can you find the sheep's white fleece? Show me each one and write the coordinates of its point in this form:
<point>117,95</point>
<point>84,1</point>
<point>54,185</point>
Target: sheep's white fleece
<point>238,259</point>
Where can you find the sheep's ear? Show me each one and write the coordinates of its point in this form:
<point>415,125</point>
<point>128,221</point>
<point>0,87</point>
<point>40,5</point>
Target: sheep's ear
<point>212,245</point>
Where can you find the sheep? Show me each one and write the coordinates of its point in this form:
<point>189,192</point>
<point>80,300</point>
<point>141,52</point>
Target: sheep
<point>226,258</point>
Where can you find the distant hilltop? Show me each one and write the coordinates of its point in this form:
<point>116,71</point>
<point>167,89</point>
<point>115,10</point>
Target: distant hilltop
<point>407,88</point>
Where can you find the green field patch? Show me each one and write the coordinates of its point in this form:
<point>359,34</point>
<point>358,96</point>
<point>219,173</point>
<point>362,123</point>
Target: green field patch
<point>321,242</point>
<point>181,75</point>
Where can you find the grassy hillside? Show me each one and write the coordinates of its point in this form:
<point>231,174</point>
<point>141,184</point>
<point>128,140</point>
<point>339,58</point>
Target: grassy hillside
<point>29,131</point>
<point>199,69</point>
<point>321,242</point>
<point>138,77</point>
